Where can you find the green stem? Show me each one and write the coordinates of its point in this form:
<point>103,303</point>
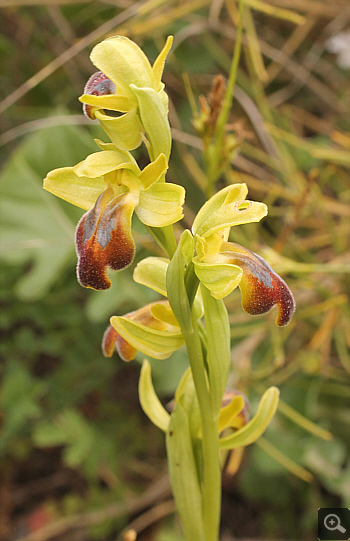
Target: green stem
<point>211,488</point>
<point>165,238</point>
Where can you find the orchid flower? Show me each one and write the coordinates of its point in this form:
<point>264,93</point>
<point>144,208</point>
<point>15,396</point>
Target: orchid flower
<point>153,329</point>
<point>222,266</point>
<point>128,84</point>
<point>110,186</point>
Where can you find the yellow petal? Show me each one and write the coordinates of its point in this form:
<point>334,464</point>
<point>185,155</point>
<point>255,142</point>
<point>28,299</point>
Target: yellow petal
<point>153,172</point>
<point>234,192</point>
<point>124,63</point>
<point>109,101</point>
<point>80,191</point>
<point>219,278</point>
<point>230,412</point>
<point>163,312</point>
<point>228,215</point>
<point>257,426</point>
<point>161,204</point>
<point>151,272</point>
<point>150,402</point>
<point>125,131</point>
<point>158,65</point>
<point>156,344</point>
<point>101,163</point>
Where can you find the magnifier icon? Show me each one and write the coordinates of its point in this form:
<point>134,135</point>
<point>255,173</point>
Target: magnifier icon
<point>332,522</point>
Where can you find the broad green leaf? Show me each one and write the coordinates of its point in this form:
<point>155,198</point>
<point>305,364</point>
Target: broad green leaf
<point>154,119</point>
<point>150,402</point>
<point>20,402</point>
<point>37,227</point>
<point>234,192</point>
<point>71,429</point>
<point>256,426</point>
<point>219,278</point>
<point>218,347</point>
<point>161,204</point>
<point>183,474</point>
<point>156,344</point>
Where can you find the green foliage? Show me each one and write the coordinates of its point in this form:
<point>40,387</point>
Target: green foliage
<point>38,228</point>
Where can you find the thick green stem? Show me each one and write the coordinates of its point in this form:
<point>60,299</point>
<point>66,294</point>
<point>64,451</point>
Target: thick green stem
<point>211,488</point>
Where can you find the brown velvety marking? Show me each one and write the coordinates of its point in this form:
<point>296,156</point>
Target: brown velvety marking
<point>112,339</point>
<point>103,239</point>
<point>98,85</point>
<point>108,341</point>
<point>261,288</point>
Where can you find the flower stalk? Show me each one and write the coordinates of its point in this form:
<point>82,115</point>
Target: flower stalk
<point>197,274</point>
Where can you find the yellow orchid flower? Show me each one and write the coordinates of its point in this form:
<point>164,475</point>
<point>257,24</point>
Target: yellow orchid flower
<point>152,329</point>
<point>233,411</point>
<point>110,186</point>
<point>128,84</point>
<point>222,266</point>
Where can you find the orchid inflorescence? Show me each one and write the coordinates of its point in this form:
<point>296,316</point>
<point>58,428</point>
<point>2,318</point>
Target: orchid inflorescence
<point>127,97</point>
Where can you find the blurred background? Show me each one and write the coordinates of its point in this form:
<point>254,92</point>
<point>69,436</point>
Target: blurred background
<point>79,461</point>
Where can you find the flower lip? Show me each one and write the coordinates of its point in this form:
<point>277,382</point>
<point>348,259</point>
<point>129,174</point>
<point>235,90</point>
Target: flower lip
<point>97,85</point>
<point>261,288</point>
<point>103,239</point>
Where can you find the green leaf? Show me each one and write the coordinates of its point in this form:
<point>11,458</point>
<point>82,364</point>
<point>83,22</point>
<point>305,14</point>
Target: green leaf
<point>187,394</point>
<point>19,401</point>
<point>70,429</point>
<point>36,227</point>
<point>175,281</point>
<point>150,402</point>
<point>183,474</point>
<point>218,347</point>
<point>256,426</point>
